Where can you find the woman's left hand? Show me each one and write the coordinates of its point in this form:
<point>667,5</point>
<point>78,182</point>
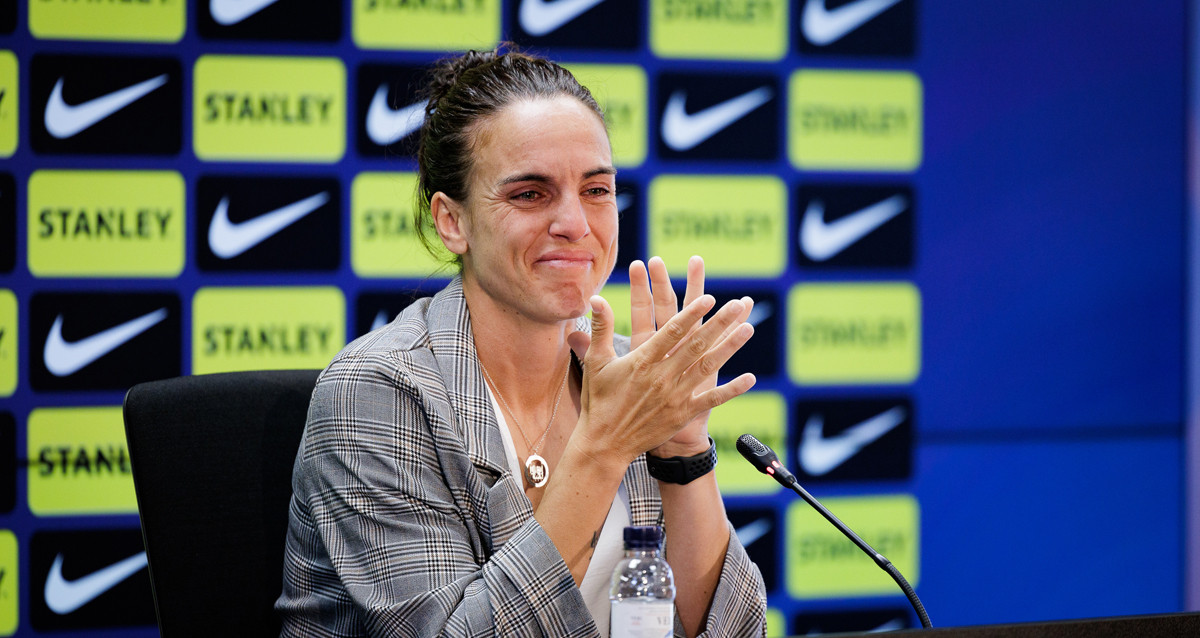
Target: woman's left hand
<point>652,303</point>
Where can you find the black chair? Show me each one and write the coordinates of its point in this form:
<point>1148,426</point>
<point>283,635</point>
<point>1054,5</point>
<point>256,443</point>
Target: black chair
<point>212,461</point>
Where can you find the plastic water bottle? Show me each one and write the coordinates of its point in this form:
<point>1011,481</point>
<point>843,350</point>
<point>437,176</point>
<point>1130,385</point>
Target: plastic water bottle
<point>642,598</point>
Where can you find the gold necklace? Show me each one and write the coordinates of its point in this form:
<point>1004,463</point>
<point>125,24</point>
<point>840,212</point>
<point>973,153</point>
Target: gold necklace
<point>537,470</point>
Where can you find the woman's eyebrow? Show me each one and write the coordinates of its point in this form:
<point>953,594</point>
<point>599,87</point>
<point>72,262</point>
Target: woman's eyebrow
<point>603,170</point>
<point>525,177</point>
<point>538,177</point>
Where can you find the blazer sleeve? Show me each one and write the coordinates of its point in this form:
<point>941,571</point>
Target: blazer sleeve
<point>739,606</point>
<point>392,529</point>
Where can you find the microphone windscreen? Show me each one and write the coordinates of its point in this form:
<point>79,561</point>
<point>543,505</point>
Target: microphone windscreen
<point>748,445</point>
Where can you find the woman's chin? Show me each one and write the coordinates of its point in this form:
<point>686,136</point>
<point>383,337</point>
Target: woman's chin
<point>569,304</point>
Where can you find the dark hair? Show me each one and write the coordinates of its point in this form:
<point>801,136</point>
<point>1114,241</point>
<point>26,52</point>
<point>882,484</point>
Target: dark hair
<point>461,93</point>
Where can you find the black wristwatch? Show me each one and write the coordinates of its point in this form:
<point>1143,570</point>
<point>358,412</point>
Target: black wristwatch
<point>683,469</point>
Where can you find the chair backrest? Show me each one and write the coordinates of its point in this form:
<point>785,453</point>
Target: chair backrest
<point>212,460</point>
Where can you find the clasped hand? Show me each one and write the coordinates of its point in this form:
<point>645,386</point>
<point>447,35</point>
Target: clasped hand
<point>657,397</point>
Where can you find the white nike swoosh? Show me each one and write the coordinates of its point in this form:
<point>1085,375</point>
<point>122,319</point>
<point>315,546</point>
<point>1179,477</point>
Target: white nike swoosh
<point>228,240</point>
<point>761,311</point>
<point>891,625</point>
<point>64,597</point>
<point>64,120</point>
<point>823,26</point>
<point>381,320</point>
<point>230,12</point>
<point>820,240</point>
<point>819,455</point>
<point>682,131</point>
<point>386,125</point>
<point>63,359</point>
<point>539,17</point>
<point>624,200</point>
<point>753,531</point>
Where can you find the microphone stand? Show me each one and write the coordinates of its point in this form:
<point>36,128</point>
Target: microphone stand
<point>765,460</point>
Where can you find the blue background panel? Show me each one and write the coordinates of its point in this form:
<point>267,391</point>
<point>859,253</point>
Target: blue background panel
<point>1015,530</point>
<point>1051,252</point>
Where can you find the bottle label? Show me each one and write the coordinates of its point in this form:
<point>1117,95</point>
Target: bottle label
<point>636,619</point>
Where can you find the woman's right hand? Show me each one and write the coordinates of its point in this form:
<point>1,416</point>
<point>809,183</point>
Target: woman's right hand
<point>636,402</point>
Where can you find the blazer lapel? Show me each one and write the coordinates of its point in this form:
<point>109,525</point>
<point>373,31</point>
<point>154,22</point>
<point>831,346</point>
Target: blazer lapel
<point>454,349</point>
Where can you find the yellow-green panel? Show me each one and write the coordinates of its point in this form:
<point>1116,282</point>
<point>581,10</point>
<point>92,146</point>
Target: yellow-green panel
<point>286,109</point>
<point>855,120</point>
<point>10,103</point>
<point>383,237</point>
<point>822,563</point>
<point>763,414</point>
<point>106,223</point>
<point>738,224</point>
<point>620,90</point>
<point>427,26</point>
<point>255,328</point>
<point>617,296</point>
<point>854,333</point>
<point>10,342</point>
<point>776,624</point>
<point>727,30</point>
<point>126,21</point>
<point>79,462</point>
<point>10,583</point>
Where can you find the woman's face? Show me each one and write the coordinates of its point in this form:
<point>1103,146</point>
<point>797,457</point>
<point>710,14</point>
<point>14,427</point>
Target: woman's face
<point>540,220</point>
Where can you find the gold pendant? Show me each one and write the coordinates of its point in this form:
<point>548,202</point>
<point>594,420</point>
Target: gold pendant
<point>537,471</point>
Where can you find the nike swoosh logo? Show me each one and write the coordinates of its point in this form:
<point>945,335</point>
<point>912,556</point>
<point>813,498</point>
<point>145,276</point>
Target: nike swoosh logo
<point>624,201</point>
<point>386,125</point>
<point>230,12</point>
<point>761,311</point>
<point>63,358</point>
<point>683,131</point>
<point>823,26</point>
<point>64,120</point>
<point>381,320</point>
<point>819,454</point>
<point>891,625</point>
<point>821,241</point>
<point>228,240</point>
<point>751,532</point>
<point>64,596</point>
<point>539,17</point>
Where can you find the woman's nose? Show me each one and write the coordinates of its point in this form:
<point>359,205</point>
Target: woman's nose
<point>570,220</point>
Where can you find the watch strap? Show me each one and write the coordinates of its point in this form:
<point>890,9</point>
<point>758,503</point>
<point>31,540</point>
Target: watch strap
<point>683,469</point>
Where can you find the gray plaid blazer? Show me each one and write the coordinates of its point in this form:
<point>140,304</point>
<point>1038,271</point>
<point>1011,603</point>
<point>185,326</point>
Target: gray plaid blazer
<point>405,519</point>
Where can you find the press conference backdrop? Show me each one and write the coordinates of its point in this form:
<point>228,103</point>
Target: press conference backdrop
<point>963,224</point>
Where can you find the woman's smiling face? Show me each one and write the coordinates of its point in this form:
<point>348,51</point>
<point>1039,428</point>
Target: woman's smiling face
<point>539,224</point>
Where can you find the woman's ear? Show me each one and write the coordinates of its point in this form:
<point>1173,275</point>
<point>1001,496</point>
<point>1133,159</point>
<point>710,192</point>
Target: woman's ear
<point>449,219</point>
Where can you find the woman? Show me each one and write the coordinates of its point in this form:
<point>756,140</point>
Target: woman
<point>468,469</point>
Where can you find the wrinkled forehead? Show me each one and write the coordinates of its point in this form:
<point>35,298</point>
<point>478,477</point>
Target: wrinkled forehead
<point>539,130</point>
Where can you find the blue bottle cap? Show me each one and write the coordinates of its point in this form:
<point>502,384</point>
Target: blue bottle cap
<point>643,537</point>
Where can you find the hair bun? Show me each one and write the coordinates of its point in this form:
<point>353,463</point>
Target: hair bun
<point>447,72</point>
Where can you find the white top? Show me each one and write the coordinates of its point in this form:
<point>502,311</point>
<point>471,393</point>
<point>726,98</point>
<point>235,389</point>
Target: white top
<point>610,547</point>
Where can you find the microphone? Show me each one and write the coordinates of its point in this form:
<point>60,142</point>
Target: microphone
<point>763,458</point>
